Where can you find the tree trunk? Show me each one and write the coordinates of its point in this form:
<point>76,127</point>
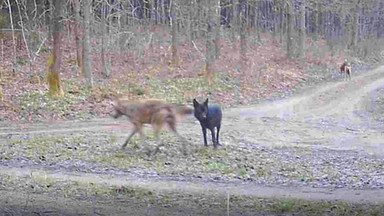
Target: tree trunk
<point>190,21</point>
<point>290,19</point>
<point>320,20</point>
<point>173,20</point>
<point>281,11</point>
<point>105,60</point>
<point>243,32</point>
<point>233,21</point>
<point>13,38</point>
<point>76,7</point>
<point>86,46</point>
<point>209,44</point>
<point>355,26</point>
<point>302,32</point>
<point>315,21</point>
<point>54,62</point>
<point>218,28</point>
<point>49,17</point>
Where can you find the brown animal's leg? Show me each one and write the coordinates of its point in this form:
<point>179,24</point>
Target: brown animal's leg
<point>172,125</point>
<point>130,136</point>
<point>157,123</point>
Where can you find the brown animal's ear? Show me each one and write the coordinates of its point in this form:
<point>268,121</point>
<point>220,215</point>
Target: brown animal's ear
<point>206,102</point>
<point>195,103</point>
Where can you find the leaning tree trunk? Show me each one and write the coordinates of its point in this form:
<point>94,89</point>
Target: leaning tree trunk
<point>54,62</point>
<point>86,46</point>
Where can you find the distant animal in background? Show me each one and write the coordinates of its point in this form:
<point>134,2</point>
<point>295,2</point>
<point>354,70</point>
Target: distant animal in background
<point>346,69</point>
<point>209,118</point>
<point>150,111</point>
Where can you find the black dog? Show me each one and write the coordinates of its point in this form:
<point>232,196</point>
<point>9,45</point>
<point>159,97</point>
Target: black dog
<point>209,117</point>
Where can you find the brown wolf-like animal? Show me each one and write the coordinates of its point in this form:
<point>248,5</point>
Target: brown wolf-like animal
<point>150,111</point>
<point>346,69</point>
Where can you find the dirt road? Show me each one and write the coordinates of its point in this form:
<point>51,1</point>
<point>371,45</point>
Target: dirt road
<point>338,123</point>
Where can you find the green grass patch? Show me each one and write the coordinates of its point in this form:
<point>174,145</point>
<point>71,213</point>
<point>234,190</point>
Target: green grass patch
<point>121,161</point>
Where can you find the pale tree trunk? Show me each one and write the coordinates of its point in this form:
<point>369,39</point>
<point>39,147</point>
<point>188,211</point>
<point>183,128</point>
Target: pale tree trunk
<point>54,62</point>
<point>49,17</point>
<point>190,21</point>
<point>76,7</point>
<point>290,19</point>
<point>234,20</point>
<point>218,30</point>
<point>209,44</point>
<point>281,12</point>
<point>302,32</point>
<point>2,55</point>
<point>355,26</point>
<point>13,39</point>
<point>1,33</point>
<point>315,21</point>
<point>173,33</point>
<point>22,23</point>
<point>86,47</point>
<point>243,32</point>
<point>258,17</point>
<point>105,60</point>
<point>320,20</point>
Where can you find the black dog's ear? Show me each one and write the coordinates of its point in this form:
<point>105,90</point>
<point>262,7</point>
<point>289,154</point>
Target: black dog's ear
<point>206,102</point>
<point>195,103</point>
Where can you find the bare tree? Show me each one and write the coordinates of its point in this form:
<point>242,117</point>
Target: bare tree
<point>302,30</point>
<point>105,57</point>
<point>76,7</point>
<point>290,19</point>
<point>218,29</point>
<point>173,21</point>
<point>54,62</point>
<point>243,31</point>
<point>355,25</point>
<point>209,43</point>
<point>86,47</point>
<point>13,36</point>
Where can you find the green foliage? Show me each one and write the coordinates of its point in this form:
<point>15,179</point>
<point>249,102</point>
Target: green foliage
<point>283,206</point>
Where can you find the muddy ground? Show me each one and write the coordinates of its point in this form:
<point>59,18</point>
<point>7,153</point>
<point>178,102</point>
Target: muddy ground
<point>319,152</point>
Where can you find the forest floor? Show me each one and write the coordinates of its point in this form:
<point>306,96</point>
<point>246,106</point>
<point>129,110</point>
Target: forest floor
<point>305,142</point>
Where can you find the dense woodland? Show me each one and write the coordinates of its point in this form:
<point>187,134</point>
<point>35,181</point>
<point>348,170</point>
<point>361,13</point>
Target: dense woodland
<point>110,28</point>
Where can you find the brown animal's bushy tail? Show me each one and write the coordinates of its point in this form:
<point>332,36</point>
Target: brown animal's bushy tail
<point>183,110</point>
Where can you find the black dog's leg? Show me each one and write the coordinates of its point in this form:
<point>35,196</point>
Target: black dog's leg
<point>213,137</point>
<point>130,136</point>
<point>204,135</point>
<point>217,136</point>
